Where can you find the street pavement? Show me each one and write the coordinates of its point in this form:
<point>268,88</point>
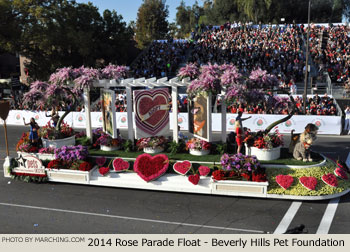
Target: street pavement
<point>58,208</point>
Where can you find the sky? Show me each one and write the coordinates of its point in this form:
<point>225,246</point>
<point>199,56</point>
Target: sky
<point>128,8</point>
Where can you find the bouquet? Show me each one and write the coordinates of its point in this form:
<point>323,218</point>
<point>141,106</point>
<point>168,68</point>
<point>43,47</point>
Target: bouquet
<point>197,144</point>
<point>151,142</point>
<point>264,141</point>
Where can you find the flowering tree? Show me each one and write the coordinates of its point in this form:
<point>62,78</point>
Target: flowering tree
<point>65,86</point>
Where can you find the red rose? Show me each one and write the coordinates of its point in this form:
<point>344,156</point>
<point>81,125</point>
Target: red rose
<point>85,166</point>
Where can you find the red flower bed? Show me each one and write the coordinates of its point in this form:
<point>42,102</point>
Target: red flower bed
<point>85,166</point>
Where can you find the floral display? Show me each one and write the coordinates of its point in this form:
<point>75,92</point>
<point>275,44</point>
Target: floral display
<point>182,168</point>
<point>239,163</point>
<point>263,141</point>
<point>54,164</point>
<point>308,182</point>
<point>23,142</point>
<point>71,153</point>
<point>49,150</point>
<point>85,166</point>
<point>194,179</point>
<point>150,168</point>
<point>107,140</point>
<point>204,170</point>
<point>52,133</point>
<point>114,72</point>
<point>100,161</point>
<point>197,144</point>
<point>103,170</point>
<point>330,179</point>
<point>340,173</point>
<point>189,71</point>
<point>284,181</point>
<point>119,165</point>
<point>151,142</point>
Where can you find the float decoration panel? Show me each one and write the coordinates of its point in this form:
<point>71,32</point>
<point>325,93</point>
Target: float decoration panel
<point>151,109</point>
<point>108,112</point>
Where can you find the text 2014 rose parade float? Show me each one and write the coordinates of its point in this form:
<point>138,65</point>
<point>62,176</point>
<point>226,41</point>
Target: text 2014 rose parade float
<point>231,175</point>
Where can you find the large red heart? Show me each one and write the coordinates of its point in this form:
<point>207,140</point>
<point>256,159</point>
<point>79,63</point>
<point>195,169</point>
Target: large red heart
<point>340,173</point>
<point>308,182</point>
<point>152,113</point>
<point>182,167</point>
<point>120,165</point>
<point>103,170</point>
<point>150,168</point>
<point>194,179</point>
<point>330,179</point>
<point>284,181</point>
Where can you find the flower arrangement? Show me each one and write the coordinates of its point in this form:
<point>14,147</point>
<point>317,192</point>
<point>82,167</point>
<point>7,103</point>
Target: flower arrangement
<point>50,132</point>
<point>264,141</point>
<point>151,142</point>
<point>107,140</point>
<point>113,72</point>
<point>49,150</point>
<point>197,144</point>
<point>71,153</point>
<point>71,165</point>
<point>189,71</point>
<point>24,140</point>
<point>27,147</point>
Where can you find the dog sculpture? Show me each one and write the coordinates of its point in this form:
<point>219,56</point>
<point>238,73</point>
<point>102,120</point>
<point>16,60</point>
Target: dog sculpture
<point>300,143</point>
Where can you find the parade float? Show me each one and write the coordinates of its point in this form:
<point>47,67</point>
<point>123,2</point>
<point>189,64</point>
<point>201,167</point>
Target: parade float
<point>150,159</point>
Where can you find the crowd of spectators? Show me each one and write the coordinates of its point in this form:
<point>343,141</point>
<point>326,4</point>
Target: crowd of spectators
<point>275,49</point>
<point>335,58</point>
<point>161,59</point>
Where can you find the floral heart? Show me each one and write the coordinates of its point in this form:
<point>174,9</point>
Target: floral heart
<point>120,165</point>
<point>152,114</point>
<point>330,179</point>
<point>182,167</point>
<point>194,179</point>
<point>100,161</point>
<point>204,170</point>
<point>340,173</point>
<point>103,170</point>
<point>150,168</point>
<point>284,181</point>
<point>308,182</point>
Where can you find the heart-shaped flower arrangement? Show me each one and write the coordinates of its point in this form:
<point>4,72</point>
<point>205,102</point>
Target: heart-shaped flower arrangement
<point>194,179</point>
<point>119,165</point>
<point>150,168</point>
<point>330,179</point>
<point>308,182</point>
<point>340,173</point>
<point>103,170</point>
<point>204,170</point>
<point>182,168</point>
<point>284,181</point>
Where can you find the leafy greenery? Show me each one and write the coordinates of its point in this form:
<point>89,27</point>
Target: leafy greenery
<point>175,147</point>
<point>221,148</point>
<point>151,22</point>
<point>85,141</point>
<point>128,146</point>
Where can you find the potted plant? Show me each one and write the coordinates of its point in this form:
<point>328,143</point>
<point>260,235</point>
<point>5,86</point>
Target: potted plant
<point>107,143</point>
<point>152,145</point>
<point>198,147</point>
<point>264,146</point>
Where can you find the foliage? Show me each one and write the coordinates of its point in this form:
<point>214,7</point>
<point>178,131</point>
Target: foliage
<point>175,147</point>
<point>128,146</point>
<point>85,141</point>
<point>151,22</point>
<point>221,148</point>
<point>52,34</point>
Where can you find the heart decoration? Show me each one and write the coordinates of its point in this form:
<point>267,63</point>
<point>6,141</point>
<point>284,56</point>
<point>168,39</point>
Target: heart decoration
<point>120,165</point>
<point>194,179</point>
<point>100,161</point>
<point>150,168</point>
<point>103,170</point>
<point>330,179</point>
<point>151,110</point>
<point>308,182</point>
<point>204,170</point>
<point>340,173</point>
<point>182,168</point>
<point>284,181</point>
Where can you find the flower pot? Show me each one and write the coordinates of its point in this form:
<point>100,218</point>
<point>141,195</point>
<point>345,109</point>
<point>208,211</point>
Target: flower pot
<point>199,152</point>
<point>150,150</point>
<point>109,148</point>
<point>264,154</point>
<point>58,143</point>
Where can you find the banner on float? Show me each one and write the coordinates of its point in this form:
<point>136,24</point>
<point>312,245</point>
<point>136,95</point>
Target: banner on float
<point>96,120</point>
<point>182,121</point>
